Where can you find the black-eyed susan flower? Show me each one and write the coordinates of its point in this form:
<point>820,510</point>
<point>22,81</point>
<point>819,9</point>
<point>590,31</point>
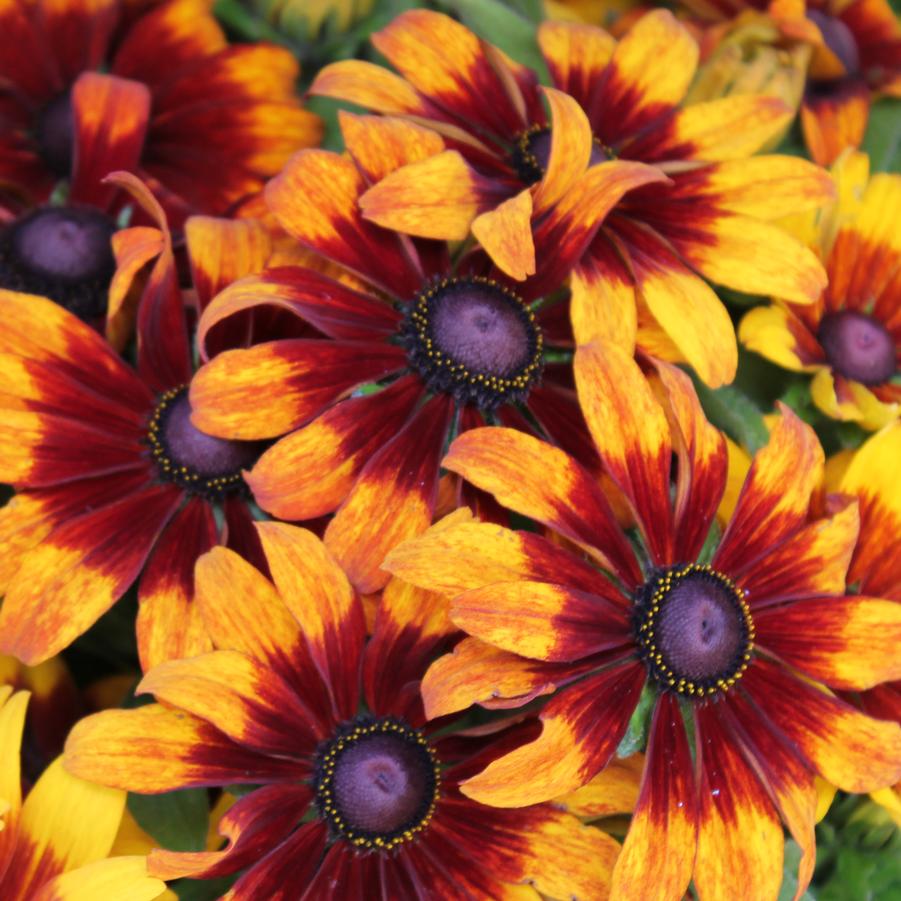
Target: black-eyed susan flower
<point>645,266</point>
<point>112,478</point>
<point>412,345</point>
<point>739,648</point>
<point>156,90</point>
<point>850,338</point>
<point>55,844</point>
<point>358,791</point>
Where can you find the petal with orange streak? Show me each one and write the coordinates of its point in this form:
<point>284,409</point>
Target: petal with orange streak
<point>576,56</point>
<point>540,481</point>
<point>541,621</point>
<point>269,389</point>
<point>79,571</point>
<point>776,333</point>
<point>847,642</point>
<point>169,625</point>
<point>12,723</point>
<point>370,86</point>
<point>775,497</point>
<point>848,748</point>
<point>238,695</point>
<point>157,749</point>
<point>505,233</point>
<point>603,299</point>
<point>632,436</point>
<point>317,592</point>
<point>122,878</point>
<point>311,471</point>
<point>133,248</point>
<point>243,611</point>
<point>834,121</point>
<point>111,117</point>
<point>613,791</point>
<point>583,725</point>
<point>453,557</point>
<point>740,840</point>
<point>394,497</point>
<point>659,849</point>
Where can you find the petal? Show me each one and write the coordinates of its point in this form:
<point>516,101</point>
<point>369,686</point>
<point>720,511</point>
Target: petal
<point>603,299</point>
<point>394,497</point>
<point>311,471</point>
<point>846,642</point>
<point>155,749</point>
<point>454,557</point>
<point>541,621</point>
<point>660,845</point>
<point>110,118</point>
<point>12,724</point>
<point>739,834</point>
<point>169,625</point>
<point>848,748</point>
<point>632,436</point>
<point>133,248</point>
<point>835,121</point>
<point>269,389</point>
<point>582,727</point>
<point>776,333</point>
<point>776,494</point>
<point>239,696</point>
<point>505,233</point>
<point>538,480</point>
<point>79,571</point>
<point>576,56</point>
<point>369,86</point>
<point>614,790</point>
<point>123,878</point>
<point>317,592</point>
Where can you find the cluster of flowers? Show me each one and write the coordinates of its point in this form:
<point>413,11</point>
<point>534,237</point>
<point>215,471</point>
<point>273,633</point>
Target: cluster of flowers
<point>439,563</point>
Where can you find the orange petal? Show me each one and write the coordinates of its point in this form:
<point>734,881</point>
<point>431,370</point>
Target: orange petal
<point>133,249</point>
<point>603,299</point>
<point>614,790</point>
<point>575,54</point>
<point>836,121</point>
<point>506,235</point>
<point>369,86</point>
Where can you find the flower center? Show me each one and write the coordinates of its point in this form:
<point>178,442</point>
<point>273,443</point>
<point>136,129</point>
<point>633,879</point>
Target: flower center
<point>199,463</point>
<point>473,339</point>
<point>532,152</point>
<point>858,347</point>
<point>63,253</point>
<point>694,630</point>
<point>55,135</point>
<point>838,38</point>
<point>376,783</point>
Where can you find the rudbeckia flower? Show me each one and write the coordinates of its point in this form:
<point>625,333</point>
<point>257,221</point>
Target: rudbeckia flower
<point>856,55</point>
<point>740,644</point>
<point>647,262</point>
<point>93,87</point>
<point>55,845</point>
<point>110,473</point>
<point>850,339</point>
<point>358,791</point>
<point>423,344</point>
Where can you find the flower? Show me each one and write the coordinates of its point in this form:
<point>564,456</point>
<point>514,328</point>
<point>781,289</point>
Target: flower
<point>111,474</point>
<point>204,124</point>
<point>425,345</point>
<point>55,845</point>
<point>357,789</point>
<point>850,338</point>
<point>644,266</point>
<point>740,644</point>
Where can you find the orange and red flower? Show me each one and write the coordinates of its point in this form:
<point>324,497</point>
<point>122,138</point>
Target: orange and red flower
<point>426,345</point>
<point>111,475</point>
<point>850,339</point>
<point>741,641</point>
<point>644,266</point>
<point>90,87</point>
<point>55,845</point>
<point>358,791</point>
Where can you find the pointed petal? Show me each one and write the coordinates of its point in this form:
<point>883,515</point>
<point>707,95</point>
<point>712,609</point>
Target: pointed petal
<point>660,845</point>
<point>505,233</point>
<point>156,749</point>
<point>394,497</point>
<point>632,436</point>
<point>370,86</point>
<point>538,480</point>
<point>582,727</point>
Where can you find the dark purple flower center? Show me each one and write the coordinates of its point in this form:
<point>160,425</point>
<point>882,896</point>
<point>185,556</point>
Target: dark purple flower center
<point>474,339</point>
<point>838,38</point>
<point>55,135</point>
<point>694,630</point>
<point>858,347</point>
<point>64,253</point>
<point>377,783</point>
<point>200,463</point>
<point>532,153</point>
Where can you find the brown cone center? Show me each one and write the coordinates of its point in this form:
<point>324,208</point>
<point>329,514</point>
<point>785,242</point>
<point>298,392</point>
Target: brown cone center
<point>858,347</point>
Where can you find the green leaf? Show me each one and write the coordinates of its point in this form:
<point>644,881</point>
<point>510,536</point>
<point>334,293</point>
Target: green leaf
<point>178,820</point>
<point>883,138</point>
<point>202,889</point>
<point>790,877</point>
<point>732,411</point>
